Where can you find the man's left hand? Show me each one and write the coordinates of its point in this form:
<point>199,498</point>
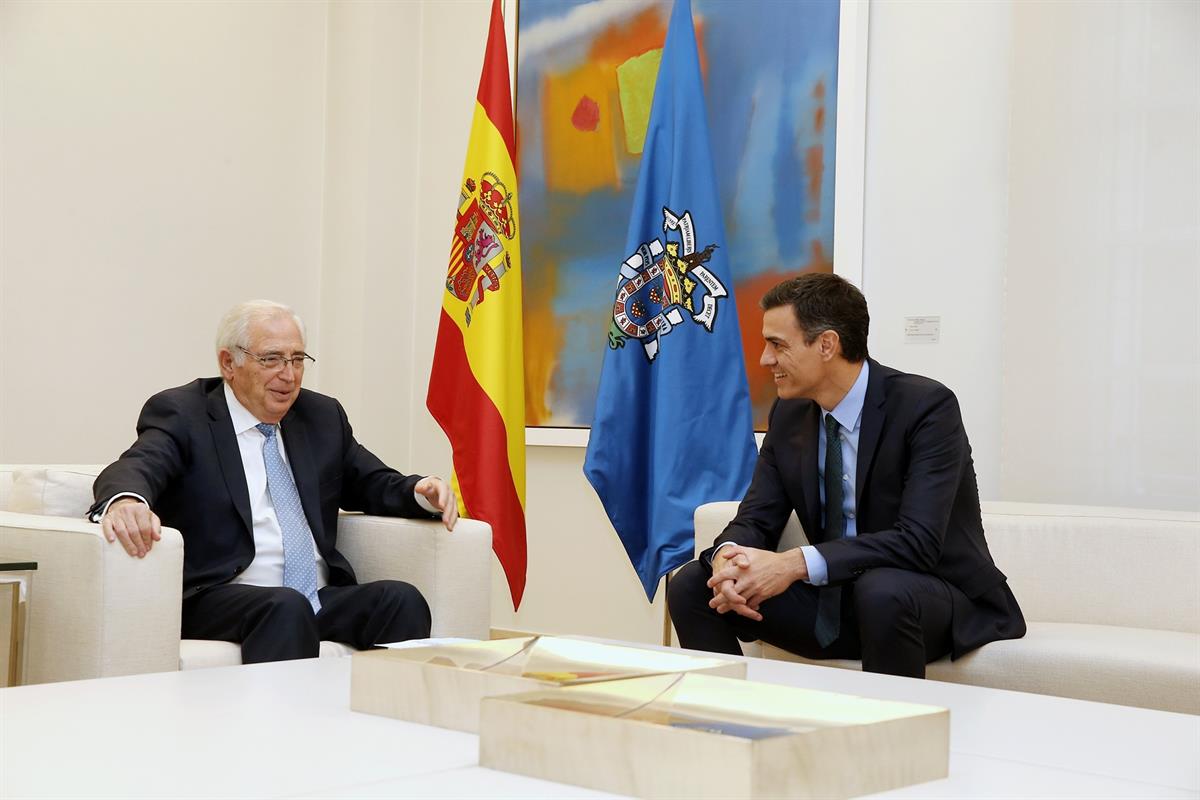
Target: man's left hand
<point>440,496</point>
<point>759,575</point>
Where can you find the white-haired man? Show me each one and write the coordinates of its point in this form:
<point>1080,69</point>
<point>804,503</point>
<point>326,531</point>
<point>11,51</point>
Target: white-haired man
<point>252,470</point>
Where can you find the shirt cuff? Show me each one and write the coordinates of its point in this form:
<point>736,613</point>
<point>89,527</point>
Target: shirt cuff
<point>717,549</point>
<point>818,570</point>
<point>99,515</point>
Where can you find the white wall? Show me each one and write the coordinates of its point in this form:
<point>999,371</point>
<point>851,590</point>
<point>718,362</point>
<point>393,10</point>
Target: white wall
<point>1033,177</point>
<point>159,161</point>
<point>1101,399</point>
<point>935,217</point>
<point>370,300</point>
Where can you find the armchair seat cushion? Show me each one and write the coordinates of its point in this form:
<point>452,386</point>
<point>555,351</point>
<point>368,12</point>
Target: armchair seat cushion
<point>1068,659</point>
<point>201,653</point>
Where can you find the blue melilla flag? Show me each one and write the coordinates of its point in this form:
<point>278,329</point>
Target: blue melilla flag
<point>673,427</point>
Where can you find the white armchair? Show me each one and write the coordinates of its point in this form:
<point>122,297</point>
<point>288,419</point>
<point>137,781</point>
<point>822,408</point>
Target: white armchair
<point>96,612</point>
<point>1106,627</point>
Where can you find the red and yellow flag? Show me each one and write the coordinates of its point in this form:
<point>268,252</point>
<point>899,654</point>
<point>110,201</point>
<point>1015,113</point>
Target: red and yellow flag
<point>477,386</point>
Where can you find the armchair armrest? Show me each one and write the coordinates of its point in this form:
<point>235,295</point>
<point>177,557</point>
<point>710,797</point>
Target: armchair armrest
<point>95,611</point>
<point>711,518</point>
<point>453,570</point>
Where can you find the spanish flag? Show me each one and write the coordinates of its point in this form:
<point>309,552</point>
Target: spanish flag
<point>477,385</point>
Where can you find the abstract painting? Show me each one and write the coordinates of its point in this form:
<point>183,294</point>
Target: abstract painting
<point>585,82</point>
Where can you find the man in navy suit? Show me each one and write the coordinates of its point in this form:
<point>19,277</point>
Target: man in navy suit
<point>252,470</point>
<point>877,466</point>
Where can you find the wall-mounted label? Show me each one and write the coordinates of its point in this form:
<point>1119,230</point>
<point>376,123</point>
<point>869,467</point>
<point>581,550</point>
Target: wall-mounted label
<point>922,330</point>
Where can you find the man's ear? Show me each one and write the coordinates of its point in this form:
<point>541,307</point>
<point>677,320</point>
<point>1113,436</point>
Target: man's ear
<point>225,361</point>
<point>829,344</point>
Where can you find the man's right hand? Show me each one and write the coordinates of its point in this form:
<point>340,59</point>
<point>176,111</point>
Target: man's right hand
<point>131,522</point>
<point>725,595</point>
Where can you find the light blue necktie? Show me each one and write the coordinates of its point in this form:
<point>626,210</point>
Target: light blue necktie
<point>299,563</point>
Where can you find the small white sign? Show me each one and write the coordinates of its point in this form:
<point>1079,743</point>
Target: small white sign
<point>922,330</point>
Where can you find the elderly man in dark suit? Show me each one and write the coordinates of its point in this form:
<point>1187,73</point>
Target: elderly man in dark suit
<point>252,470</point>
<point>877,466</point>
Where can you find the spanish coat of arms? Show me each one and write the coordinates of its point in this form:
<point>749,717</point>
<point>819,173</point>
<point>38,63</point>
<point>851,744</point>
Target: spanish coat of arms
<point>478,258</point>
<point>658,283</point>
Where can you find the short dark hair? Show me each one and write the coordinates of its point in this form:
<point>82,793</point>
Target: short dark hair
<point>823,302</point>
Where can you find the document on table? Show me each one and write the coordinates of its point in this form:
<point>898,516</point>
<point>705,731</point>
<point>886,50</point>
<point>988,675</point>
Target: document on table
<point>427,642</point>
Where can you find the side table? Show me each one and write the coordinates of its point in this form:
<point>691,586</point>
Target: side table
<point>16,591</point>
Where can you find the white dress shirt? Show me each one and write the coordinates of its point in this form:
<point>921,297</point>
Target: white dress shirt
<point>267,567</point>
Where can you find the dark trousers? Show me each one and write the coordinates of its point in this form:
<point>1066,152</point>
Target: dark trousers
<point>275,623</point>
<point>896,621</point>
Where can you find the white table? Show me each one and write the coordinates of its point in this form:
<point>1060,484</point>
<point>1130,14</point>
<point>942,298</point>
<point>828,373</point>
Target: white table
<point>285,730</point>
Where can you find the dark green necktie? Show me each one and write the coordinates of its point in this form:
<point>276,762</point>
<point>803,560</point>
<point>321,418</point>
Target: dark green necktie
<point>829,601</point>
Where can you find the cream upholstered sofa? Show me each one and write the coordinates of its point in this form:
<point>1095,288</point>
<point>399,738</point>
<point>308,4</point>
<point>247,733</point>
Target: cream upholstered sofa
<point>1111,597</point>
<point>96,612</point>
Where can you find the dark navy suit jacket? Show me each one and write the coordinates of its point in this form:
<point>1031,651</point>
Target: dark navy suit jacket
<point>187,465</point>
<point>916,495</point>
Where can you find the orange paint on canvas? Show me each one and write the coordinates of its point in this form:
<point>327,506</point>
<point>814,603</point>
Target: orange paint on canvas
<point>818,94</point>
<point>579,144</point>
<point>546,335</point>
<point>814,167</point>
<point>644,31</point>
<point>748,293</point>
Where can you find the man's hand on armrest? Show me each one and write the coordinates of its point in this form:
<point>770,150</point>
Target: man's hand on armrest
<point>131,522</point>
<point>438,494</point>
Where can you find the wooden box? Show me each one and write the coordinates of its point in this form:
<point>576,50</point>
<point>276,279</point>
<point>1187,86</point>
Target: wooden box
<point>694,735</point>
<point>444,684</point>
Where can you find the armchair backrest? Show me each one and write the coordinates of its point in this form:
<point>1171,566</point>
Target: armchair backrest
<point>56,490</point>
<point>711,518</point>
<point>1133,567</point>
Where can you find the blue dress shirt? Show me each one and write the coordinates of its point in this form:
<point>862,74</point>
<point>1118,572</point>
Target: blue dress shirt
<point>848,413</point>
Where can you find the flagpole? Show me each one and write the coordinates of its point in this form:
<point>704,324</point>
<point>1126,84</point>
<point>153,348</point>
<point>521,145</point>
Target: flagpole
<point>666,611</point>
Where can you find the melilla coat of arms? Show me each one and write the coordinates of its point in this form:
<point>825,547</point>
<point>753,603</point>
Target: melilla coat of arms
<point>478,258</point>
<point>658,283</point>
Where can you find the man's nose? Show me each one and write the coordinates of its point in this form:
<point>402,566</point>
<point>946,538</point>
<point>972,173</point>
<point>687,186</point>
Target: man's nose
<point>767,358</point>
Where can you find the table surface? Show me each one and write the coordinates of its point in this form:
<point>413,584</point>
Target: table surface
<point>286,730</point>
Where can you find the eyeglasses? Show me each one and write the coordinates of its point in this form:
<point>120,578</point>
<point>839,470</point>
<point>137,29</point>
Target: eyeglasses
<point>275,361</point>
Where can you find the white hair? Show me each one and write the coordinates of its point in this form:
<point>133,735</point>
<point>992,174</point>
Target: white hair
<point>234,330</point>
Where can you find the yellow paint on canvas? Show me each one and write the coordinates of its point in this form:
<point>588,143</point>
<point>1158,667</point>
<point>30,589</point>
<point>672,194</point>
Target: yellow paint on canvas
<point>578,143</point>
<point>635,86</point>
<point>545,333</point>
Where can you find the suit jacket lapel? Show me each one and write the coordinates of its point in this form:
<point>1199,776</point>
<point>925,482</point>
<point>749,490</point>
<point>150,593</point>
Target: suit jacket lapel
<point>806,442</point>
<point>873,415</point>
<point>295,439</point>
<point>228,456</point>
